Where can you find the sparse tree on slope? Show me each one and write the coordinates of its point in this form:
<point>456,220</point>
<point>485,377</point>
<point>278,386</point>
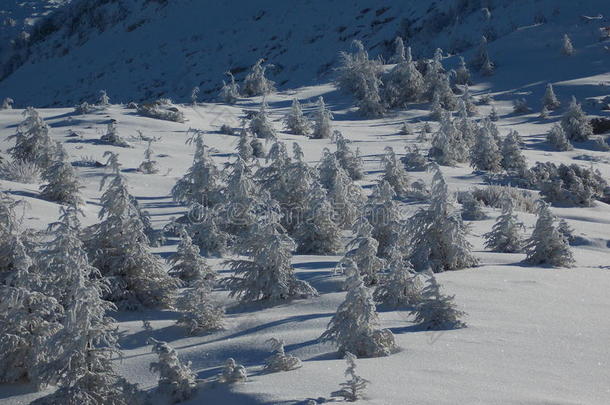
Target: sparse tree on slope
<point>383,214</point>
<point>557,137</point>
<point>7,104</point>
<point>512,156</point>
<point>279,360</point>
<point>575,123</point>
<point>403,84</point>
<point>481,61</point>
<point>437,311</point>
<point>353,389</point>
<point>149,166</point>
<point>567,48</point>
<point>462,73</point>
<point>353,327</point>
<point>62,184</point>
<point>32,141</point>
<point>322,121</point>
<point>244,145</point>
<point>485,154</point>
<point>550,99</point>
<point>399,51</point>
<point>233,372</point>
<point>548,245</point>
<point>394,173</point>
<point>198,312</point>
<point>448,146</point>
<point>363,253</point>
<point>112,136</point>
<point>505,235</point>
<point>295,122</point>
<point>401,287</point>
<point>260,125</point>
<point>349,160</point>
<point>188,264</point>
<point>229,93</point>
<point>241,196</point>
<point>472,208</point>
<point>104,100</point>
<point>255,83</point>
<point>205,228</point>
<point>176,379</point>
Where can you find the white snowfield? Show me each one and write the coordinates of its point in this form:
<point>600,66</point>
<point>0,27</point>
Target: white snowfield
<point>535,335</point>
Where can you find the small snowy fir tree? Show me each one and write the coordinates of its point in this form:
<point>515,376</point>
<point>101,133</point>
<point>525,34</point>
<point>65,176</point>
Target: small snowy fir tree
<point>403,84</point>
<point>548,245</point>
<point>558,139</point>
<point>353,389</point>
<point>399,51</point>
<point>119,248</point>
<point>363,253</point>
<point>566,47</point>
<point>346,197</point>
<point>244,145</point>
<point>400,287</point>
<point>469,103</point>
<point>112,136</point>
<point>575,123</point>
<point>405,129</point>
<point>383,214</point>
<point>201,183</point>
<point>187,263</point>
<point>437,311</point>
<point>472,208</point>
<point>206,231</point>
<point>544,113</point>
<point>229,93</point>
<point>485,154</point>
<point>438,235</point>
<point>260,125</point>
<point>493,115</point>
<point>176,379</point>
<point>195,95</point>
<point>395,174</point>
<point>255,83</point>
<point>149,166</point>
<point>520,106</point>
<point>7,104</point>
<point>448,145</point>
<point>550,99</point>
<point>279,360</point>
<point>465,124</point>
<point>295,122</point>
<point>103,101</point>
<point>61,181</point>
<point>233,372</point>
<point>32,141</point>
<point>322,127</point>
<point>353,327</point>
<point>462,74</point>
<point>348,159</point>
<point>566,230</point>
<point>317,233</point>
<point>505,235</point>
<point>482,56</point>
<point>512,156</point>
<point>241,196</point>
<point>267,274</point>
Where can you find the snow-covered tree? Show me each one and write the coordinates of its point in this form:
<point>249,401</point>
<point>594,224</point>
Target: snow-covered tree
<point>322,127</point>
<point>206,231</point>
<point>472,208</point>
<point>466,126</point>
<point>448,146</point>
<point>400,287</point>
<point>295,122</point>
<point>149,166</point>
<point>566,46</point>
<point>198,312</point>
<point>462,74</point>
<point>229,93</point>
<point>103,100</point>
<point>403,84</point>
<point>267,272</point>
<point>61,181</point>
<point>353,328</point>
<point>353,389</point>
<point>468,101</point>
<point>255,83</point>
<point>383,214</point>
<point>119,248</point>
<point>244,145</point>
<point>346,197</point>
<point>348,159</point>
<point>279,360</point>
<point>505,235</point>
<point>493,115</point>
<point>176,379</point>
<point>485,154</point>
<point>260,125</point>
<point>233,372</point>
<point>512,156</point>
<point>395,174</point>
<point>112,136</point>
<point>195,95</point>
<point>520,106</point>
<point>399,51</point>
<point>481,61</point>
<point>201,183</point>
<point>550,100</point>
<point>32,141</point>
<point>363,253</point>
<point>187,263</point>
<point>558,139</point>
<point>548,245</point>
<point>437,311</point>
<point>575,123</point>
<point>437,234</point>
<point>7,104</point>
<point>241,196</point>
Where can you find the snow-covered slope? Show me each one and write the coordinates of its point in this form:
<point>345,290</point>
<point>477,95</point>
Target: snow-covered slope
<point>139,49</point>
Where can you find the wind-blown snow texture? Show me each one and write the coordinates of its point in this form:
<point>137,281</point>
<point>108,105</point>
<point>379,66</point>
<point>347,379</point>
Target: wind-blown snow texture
<point>535,335</point>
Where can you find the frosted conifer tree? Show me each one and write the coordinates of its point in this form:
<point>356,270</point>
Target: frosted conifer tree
<point>399,51</point>
<point>198,312</point>
<point>119,248</point>
<point>438,235</point>
<point>255,83</point>
<point>462,73</point>
<point>187,263</point>
<point>493,115</point>
<point>260,125</point>
<point>349,160</point>
<point>353,389</point>
<point>279,360</point>
<point>400,287</point>
<point>7,104</point>
<point>233,372</point>
<point>557,137</point>
<point>544,113</point>
<point>383,214</point>
<point>437,311</point>
<point>206,231</point>
<point>322,127</point>
<point>469,103</point>
<point>472,208</point>
<point>448,146</point>
<point>436,108</point>
<point>229,93</point>
<point>32,141</point>
<point>481,61</point>
<point>241,196</point>
<point>112,136</point>
<point>363,253</point>
<point>548,245</point>
<point>295,122</point>
<point>267,274</point>
<point>149,166</point>
<point>353,328</point>
<point>317,233</point>
<point>567,48</point>
<point>403,84</point>
<point>512,156</point>
<point>505,235</point>
<point>575,123</point>
<point>550,99</point>
<point>104,100</point>
<point>244,145</point>
<point>201,182</point>
<point>61,181</point>
<point>176,379</point>
<point>346,197</point>
<point>465,125</point>
<point>395,174</point>
<point>485,154</point>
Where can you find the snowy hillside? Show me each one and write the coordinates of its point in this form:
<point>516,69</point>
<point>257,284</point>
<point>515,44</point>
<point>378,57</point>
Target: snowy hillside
<point>139,50</point>
<point>534,332</point>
